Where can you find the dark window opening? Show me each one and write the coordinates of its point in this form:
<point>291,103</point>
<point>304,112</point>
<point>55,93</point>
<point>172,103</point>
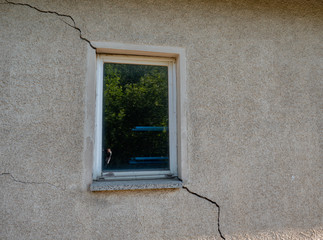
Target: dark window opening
<point>135,132</point>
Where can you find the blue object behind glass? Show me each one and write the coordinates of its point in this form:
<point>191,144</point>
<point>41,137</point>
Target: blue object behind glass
<point>135,117</point>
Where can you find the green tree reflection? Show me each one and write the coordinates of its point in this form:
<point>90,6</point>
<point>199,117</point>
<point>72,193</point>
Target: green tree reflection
<point>134,95</point>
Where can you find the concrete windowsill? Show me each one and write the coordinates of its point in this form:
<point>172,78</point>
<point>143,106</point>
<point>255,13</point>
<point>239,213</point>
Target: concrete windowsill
<point>135,184</point>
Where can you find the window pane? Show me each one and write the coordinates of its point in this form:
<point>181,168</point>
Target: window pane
<point>135,117</point>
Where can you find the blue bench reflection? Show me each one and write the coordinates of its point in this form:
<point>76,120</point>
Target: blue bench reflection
<point>146,160</point>
<point>150,129</point>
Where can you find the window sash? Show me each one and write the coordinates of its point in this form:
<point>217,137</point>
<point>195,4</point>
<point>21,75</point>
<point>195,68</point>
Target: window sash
<point>142,174</point>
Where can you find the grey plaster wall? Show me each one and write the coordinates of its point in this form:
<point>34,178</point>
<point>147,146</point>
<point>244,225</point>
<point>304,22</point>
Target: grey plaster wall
<point>254,72</point>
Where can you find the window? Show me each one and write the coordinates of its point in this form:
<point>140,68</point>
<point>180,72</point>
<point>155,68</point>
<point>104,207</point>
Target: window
<point>140,129</point>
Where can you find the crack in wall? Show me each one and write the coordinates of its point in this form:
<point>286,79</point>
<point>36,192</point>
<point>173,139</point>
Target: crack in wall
<point>89,42</point>
<point>57,14</point>
<point>32,183</point>
<point>211,201</point>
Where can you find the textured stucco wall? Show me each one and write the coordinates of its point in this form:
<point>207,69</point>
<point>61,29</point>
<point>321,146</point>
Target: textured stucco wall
<point>254,87</point>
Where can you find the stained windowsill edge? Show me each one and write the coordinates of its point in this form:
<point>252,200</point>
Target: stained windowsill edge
<point>135,184</point>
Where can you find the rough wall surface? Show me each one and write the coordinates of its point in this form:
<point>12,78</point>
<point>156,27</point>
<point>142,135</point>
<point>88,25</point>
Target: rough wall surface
<point>254,72</point>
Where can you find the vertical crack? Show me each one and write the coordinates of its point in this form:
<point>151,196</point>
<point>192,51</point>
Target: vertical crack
<point>57,14</point>
<point>211,201</point>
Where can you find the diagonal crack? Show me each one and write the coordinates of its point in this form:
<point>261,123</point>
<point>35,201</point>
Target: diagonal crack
<point>57,14</point>
<point>89,42</point>
<point>211,201</point>
<point>25,182</point>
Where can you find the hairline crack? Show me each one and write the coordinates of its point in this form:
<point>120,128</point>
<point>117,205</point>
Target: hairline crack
<point>27,182</point>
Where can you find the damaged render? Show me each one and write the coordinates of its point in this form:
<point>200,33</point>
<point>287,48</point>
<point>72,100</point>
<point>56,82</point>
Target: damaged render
<point>25,182</point>
<point>89,42</point>
<point>213,202</point>
<point>188,190</point>
<point>58,14</point>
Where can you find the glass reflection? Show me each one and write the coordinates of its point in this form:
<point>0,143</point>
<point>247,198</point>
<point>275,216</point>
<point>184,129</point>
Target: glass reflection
<point>135,117</point>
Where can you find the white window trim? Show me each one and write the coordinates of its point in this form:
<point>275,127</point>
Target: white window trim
<point>126,59</point>
<point>177,70</point>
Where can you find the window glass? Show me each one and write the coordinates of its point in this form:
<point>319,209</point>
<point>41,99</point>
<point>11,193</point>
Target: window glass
<point>135,117</point>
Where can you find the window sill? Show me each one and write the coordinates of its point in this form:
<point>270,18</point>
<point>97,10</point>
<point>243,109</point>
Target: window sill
<point>135,184</point>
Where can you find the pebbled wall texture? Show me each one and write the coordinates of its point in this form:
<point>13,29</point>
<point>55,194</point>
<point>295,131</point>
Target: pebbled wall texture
<point>255,120</point>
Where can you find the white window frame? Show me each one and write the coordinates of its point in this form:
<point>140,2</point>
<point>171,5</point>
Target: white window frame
<point>174,58</point>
